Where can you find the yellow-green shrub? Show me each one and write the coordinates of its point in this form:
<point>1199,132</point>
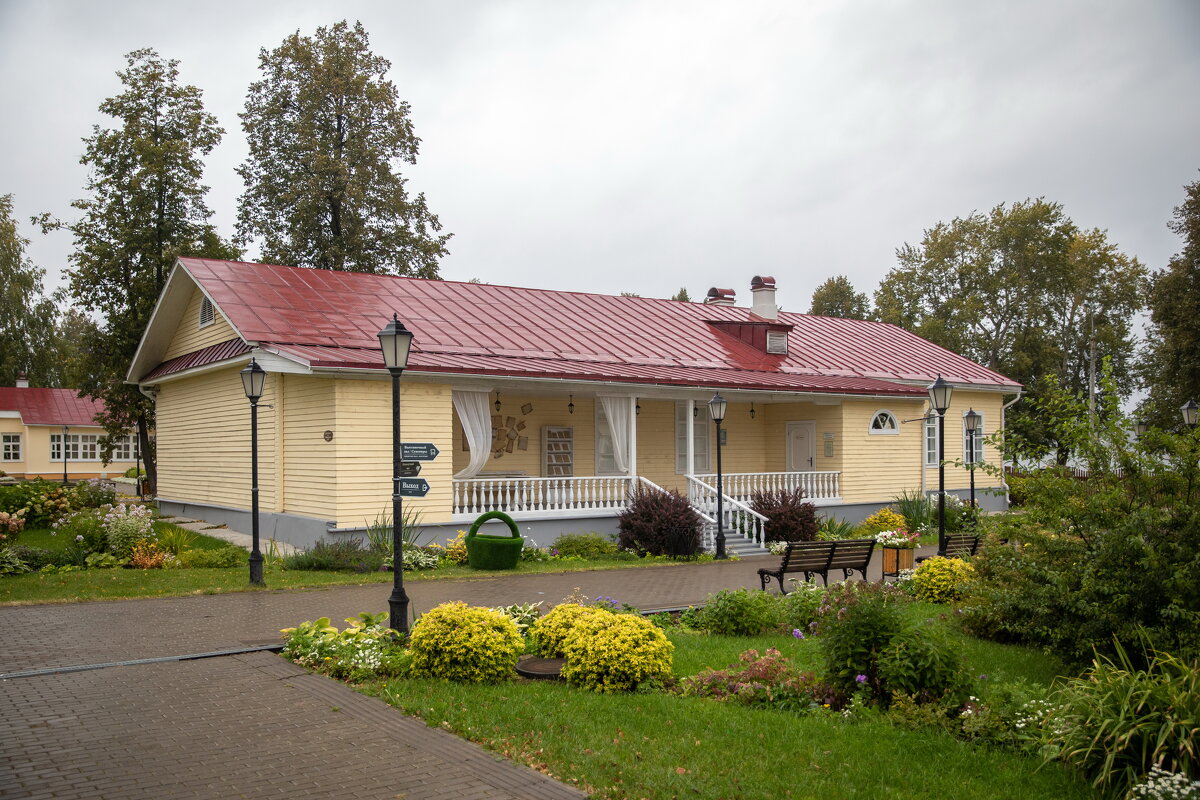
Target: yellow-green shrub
<point>549,633</point>
<point>942,580</point>
<point>456,550</point>
<point>462,643</point>
<point>609,652</point>
<point>885,519</point>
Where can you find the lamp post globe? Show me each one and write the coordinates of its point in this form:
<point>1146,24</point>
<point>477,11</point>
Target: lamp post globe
<point>254,379</point>
<point>395,341</point>
<point>940,393</point>
<point>1191,413</point>
<point>716,409</point>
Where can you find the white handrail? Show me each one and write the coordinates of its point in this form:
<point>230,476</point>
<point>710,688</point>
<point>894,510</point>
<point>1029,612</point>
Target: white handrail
<point>589,493</point>
<point>824,485</point>
<point>737,517</point>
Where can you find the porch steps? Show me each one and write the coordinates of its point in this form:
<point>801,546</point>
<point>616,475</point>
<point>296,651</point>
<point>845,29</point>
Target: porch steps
<point>742,545</point>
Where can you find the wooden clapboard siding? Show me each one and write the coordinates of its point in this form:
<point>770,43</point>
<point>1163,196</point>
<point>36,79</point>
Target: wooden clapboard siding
<point>876,468</point>
<point>190,337</point>
<point>746,445</point>
<point>204,440</point>
<point>987,404</point>
<point>828,419</point>
<point>364,447</point>
<point>309,462</point>
<point>656,444</point>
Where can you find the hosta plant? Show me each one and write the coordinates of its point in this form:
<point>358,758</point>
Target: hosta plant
<point>366,648</point>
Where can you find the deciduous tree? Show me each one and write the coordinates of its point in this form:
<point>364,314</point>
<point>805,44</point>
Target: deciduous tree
<point>1170,366</point>
<point>326,131</point>
<point>1022,291</point>
<point>26,315</point>
<point>836,298</point>
<point>145,207</point>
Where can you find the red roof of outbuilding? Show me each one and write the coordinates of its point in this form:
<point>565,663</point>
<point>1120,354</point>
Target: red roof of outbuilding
<point>50,406</point>
<point>329,319</point>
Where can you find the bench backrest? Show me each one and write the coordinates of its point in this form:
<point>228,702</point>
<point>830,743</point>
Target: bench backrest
<point>807,556</point>
<point>852,553</point>
<point>960,545</point>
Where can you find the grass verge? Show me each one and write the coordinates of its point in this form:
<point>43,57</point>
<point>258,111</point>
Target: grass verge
<point>661,746</point>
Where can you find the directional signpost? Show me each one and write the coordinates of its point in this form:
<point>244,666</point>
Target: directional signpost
<point>410,469</point>
<point>418,451</point>
<point>414,487</point>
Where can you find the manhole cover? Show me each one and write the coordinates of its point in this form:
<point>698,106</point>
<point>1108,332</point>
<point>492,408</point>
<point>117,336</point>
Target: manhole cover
<point>540,668</point>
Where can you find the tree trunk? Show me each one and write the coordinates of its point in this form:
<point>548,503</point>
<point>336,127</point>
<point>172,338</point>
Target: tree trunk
<point>149,458</point>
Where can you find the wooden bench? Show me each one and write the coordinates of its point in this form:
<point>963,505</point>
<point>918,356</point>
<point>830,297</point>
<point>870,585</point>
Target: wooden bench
<point>818,558</point>
<point>958,545</point>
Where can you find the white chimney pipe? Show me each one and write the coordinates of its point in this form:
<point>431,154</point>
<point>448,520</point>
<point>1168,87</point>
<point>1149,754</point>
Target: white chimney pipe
<point>22,381</point>
<point>720,297</point>
<point>763,289</point>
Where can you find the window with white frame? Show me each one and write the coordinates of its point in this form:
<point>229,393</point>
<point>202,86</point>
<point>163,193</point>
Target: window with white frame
<point>700,438</point>
<point>931,439</point>
<point>606,460</point>
<point>884,422</point>
<point>125,448</point>
<point>80,447</point>
<point>11,446</point>
<point>978,442</point>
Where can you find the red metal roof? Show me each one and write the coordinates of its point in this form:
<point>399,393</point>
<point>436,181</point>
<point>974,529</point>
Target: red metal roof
<point>50,406</point>
<point>332,319</point>
<point>198,358</point>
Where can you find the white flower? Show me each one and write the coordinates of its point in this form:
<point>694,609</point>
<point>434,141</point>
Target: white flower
<point>79,538</point>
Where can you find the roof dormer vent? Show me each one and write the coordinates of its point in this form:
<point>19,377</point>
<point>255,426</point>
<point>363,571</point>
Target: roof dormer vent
<point>777,343</point>
<point>720,297</point>
<point>763,289</point>
<point>207,316</point>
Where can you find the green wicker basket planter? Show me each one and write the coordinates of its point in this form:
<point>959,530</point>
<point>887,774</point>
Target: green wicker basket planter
<point>494,552</point>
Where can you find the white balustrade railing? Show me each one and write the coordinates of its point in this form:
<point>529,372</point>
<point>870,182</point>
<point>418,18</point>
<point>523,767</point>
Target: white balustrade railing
<point>737,517</point>
<point>817,486</point>
<point>551,495</point>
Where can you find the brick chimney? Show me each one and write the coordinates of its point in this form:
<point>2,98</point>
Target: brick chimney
<point>22,381</point>
<point>763,289</point>
<point>720,297</point>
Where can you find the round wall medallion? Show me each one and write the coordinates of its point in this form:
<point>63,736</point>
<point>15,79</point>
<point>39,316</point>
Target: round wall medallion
<point>328,436</point>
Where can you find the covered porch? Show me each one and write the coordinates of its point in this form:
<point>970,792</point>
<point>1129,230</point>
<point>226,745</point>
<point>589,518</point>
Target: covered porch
<point>580,454</point>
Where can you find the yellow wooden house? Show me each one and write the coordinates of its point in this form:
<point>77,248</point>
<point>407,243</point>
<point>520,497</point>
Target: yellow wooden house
<point>49,433</point>
<point>551,405</point>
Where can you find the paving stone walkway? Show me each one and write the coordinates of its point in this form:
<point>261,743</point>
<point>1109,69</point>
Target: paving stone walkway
<point>255,725</point>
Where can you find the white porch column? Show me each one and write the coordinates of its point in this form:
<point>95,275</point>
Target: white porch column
<point>690,414</point>
<point>632,437</point>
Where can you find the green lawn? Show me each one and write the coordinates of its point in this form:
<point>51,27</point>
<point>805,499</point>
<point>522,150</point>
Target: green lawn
<point>662,746</point>
<point>114,584</point>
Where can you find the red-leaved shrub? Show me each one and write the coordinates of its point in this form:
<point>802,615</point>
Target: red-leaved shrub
<point>659,523</point>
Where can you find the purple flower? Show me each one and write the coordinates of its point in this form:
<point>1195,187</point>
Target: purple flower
<point>799,634</point>
<point>860,678</point>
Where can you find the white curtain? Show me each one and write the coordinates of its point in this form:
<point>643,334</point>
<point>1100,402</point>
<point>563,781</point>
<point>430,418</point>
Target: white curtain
<point>474,414</point>
<point>617,413</point>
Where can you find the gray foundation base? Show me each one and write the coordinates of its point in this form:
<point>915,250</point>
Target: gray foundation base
<point>539,532</point>
<point>302,532</point>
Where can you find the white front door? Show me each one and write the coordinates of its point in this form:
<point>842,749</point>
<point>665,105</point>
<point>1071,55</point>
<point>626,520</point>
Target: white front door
<point>801,446</point>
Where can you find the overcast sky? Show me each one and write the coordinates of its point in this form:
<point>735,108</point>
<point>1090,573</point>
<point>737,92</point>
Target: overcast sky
<point>645,145</point>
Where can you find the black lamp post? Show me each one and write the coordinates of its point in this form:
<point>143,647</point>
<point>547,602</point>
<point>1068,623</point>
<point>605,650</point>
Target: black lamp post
<point>395,341</point>
<point>971,419</point>
<point>716,409</point>
<point>939,398</point>
<point>254,378</point>
<point>64,452</point>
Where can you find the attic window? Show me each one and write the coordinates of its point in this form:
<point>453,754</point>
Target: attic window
<point>884,422</point>
<point>777,343</point>
<point>207,316</point>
